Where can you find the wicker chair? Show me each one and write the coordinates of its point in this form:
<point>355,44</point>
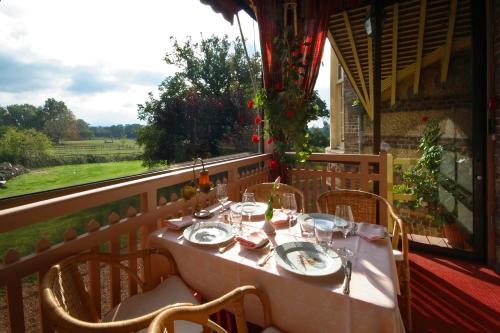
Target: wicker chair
<point>364,207</point>
<point>68,306</point>
<point>263,191</point>
<point>200,314</point>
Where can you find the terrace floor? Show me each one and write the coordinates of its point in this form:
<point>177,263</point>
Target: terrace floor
<point>453,296</point>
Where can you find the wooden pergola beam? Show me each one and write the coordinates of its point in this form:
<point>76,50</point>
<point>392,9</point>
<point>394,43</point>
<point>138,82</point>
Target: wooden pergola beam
<point>431,58</point>
<point>355,55</point>
<point>420,45</point>
<point>347,71</point>
<point>445,62</point>
<point>369,43</point>
<point>394,68</point>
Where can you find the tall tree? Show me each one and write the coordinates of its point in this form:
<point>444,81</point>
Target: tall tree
<point>59,122</point>
<point>21,116</point>
<point>200,104</point>
<point>83,129</point>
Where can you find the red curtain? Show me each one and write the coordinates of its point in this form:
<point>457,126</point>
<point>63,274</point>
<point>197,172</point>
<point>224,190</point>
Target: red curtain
<point>312,27</point>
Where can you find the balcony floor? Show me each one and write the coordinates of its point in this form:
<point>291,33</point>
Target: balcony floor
<point>453,296</point>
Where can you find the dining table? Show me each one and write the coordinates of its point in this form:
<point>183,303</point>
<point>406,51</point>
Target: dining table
<point>299,302</point>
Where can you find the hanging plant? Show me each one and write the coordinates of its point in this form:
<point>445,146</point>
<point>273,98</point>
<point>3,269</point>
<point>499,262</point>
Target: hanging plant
<point>287,110</point>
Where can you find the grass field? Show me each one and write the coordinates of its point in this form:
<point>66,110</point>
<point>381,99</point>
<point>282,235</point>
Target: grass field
<point>44,179</point>
<point>98,147</point>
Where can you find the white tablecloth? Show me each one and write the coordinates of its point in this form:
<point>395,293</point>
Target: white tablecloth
<point>299,303</point>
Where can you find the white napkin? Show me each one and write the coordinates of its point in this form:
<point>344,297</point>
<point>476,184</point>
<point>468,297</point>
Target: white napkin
<point>253,240</point>
<point>279,220</point>
<point>371,232</point>
<point>179,223</point>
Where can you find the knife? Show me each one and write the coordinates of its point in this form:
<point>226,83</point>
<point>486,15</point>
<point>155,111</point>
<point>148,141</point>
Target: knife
<point>262,261</point>
<point>227,247</point>
<point>347,274</point>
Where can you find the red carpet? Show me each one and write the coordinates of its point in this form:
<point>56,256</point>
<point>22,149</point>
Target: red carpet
<point>451,295</point>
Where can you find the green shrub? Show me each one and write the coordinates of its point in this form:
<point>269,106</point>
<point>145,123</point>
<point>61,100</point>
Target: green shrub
<point>25,146</point>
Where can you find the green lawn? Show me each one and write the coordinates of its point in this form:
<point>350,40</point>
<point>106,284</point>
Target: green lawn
<point>67,175</point>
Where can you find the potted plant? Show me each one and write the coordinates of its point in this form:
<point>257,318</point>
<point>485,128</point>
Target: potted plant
<point>422,182</point>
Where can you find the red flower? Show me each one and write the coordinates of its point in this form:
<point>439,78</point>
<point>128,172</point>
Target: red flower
<point>258,120</point>
<point>269,140</point>
<point>241,120</point>
<point>278,86</point>
<point>273,164</point>
<point>290,114</point>
<point>425,119</point>
<point>255,138</point>
<point>250,104</point>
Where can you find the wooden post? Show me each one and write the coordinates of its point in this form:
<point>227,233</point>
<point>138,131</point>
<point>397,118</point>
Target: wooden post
<point>377,76</point>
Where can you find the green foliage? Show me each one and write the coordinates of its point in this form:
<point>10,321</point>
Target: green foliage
<point>199,107</point>
<point>287,110</point>
<point>422,181</point>
<point>25,146</point>
<point>319,137</point>
<point>21,116</point>
<point>58,121</point>
<point>83,130</point>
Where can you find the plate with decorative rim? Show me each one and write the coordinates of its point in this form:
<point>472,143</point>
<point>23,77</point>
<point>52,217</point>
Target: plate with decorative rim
<point>257,215</point>
<point>305,258</point>
<point>208,233</point>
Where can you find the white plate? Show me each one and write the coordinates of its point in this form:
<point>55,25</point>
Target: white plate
<point>307,259</point>
<point>258,214</point>
<point>208,233</point>
<point>325,220</point>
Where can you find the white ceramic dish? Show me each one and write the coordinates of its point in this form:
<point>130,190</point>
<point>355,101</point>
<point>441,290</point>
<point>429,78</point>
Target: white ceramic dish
<point>208,233</point>
<point>257,215</point>
<point>306,259</point>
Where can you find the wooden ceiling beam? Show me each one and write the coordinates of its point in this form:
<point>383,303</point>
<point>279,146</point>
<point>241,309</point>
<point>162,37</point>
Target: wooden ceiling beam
<point>394,68</point>
<point>347,70</point>
<point>420,44</point>
<point>459,45</point>
<point>445,62</point>
<point>355,53</point>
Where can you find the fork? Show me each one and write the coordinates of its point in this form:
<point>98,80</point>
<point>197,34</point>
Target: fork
<point>262,261</point>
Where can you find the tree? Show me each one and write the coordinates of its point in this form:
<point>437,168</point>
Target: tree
<point>83,129</point>
<point>319,137</point>
<point>200,105</point>
<point>21,116</point>
<point>28,147</point>
<point>59,122</point>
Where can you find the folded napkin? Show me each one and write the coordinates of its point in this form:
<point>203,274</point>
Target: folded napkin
<point>179,223</point>
<point>253,240</point>
<point>279,220</point>
<point>371,232</point>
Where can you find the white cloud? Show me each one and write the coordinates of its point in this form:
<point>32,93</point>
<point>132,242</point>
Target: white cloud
<point>116,45</point>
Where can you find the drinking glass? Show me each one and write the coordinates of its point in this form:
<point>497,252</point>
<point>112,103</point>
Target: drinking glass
<point>323,230</point>
<point>221,195</point>
<point>248,204</point>
<point>235,219</point>
<point>289,207</point>
<point>344,212</point>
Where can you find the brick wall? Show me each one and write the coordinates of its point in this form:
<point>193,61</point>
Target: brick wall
<point>351,120</point>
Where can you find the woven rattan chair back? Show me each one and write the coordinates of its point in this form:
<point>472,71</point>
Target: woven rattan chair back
<point>363,204</point>
<point>200,314</point>
<point>263,191</point>
<point>67,303</point>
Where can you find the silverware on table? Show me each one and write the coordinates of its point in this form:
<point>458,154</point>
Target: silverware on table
<point>262,261</point>
<point>347,274</point>
<point>223,249</point>
<point>180,237</point>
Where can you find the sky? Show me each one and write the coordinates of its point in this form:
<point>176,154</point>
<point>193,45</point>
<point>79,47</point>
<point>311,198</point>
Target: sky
<point>102,58</point>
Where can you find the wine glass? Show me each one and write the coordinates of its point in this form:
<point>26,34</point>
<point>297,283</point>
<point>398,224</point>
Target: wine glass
<point>248,204</point>
<point>289,207</point>
<point>344,212</point>
<point>221,195</point>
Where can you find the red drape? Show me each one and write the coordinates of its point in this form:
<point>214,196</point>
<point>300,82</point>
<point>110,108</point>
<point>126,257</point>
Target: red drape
<point>312,27</point>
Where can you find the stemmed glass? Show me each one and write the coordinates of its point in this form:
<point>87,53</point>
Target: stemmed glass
<point>344,212</point>
<point>289,207</point>
<point>323,231</point>
<point>221,195</point>
<point>248,204</point>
